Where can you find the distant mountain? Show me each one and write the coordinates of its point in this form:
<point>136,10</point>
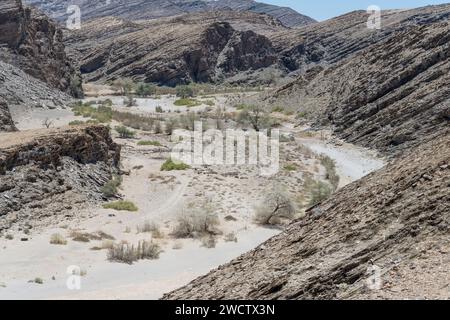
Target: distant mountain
<point>151,9</point>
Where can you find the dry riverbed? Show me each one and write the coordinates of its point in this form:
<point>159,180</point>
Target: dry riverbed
<point>36,269</point>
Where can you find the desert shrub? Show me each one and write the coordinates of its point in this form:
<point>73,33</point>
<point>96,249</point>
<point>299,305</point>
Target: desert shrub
<point>126,253</point>
<point>129,101</point>
<point>107,103</point>
<point>157,129</point>
<point>209,242</point>
<point>256,116</point>
<point>198,221</point>
<point>102,114</point>
<point>9,236</point>
<point>87,237</point>
<point>56,238</point>
<point>230,237</point>
<point>121,205</point>
<point>330,167</point>
<point>124,86</point>
<point>320,191</point>
<point>170,126</point>
<point>37,280</point>
<point>133,120</point>
<point>150,227</point>
<point>184,92</point>
<point>124,132</point>
<point>149,143</point>
<point>145,90</point>
<point>111,188</point>
<point>76,123</point>
<point>187,121</point>
<point>277,205</point>
<point>159,109</point>
<point>169,165</point>
<point>210,103</point>
<point>187,102</point>
<point>290,167</point>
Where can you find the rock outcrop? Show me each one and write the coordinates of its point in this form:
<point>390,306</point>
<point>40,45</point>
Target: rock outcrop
<point>144,9</point>
<point>201,48</point>
<point>33,43</point>
<point>6,122</point>
<point>370,240</point>
<point>392,94</point>
<point>45,173</point>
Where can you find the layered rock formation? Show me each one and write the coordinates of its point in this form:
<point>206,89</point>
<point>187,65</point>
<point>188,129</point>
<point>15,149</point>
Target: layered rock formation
<point>144,9</point>
<point>368,241</point>
<point>33,43</point>
<point>46,172</point>
<point>391,95</point>
<point>201,48</point>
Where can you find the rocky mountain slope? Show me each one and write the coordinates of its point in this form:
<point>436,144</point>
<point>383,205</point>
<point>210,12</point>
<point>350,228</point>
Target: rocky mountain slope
<point>33,43</point>
<point>204,47</point>
<point>152,9</point>
<point>45,173</point>
<point>395,220</point>
<point>390,95</point>
<point>6,122</point>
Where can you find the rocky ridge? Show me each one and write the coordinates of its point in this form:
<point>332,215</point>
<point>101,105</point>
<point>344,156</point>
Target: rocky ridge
<point>46,173</point>
<point>206,47</point>
<point>392,95</point>
<point>33,43</point>
<point>144,9</point>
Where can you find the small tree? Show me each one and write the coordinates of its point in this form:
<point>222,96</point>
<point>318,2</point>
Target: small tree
<point>124,86</point>
<point>275,206</point>
<point>255,115</point>
<point>47,123</point>
<point>145,90</point>
<point>185,92</point>
<point>125,133</point>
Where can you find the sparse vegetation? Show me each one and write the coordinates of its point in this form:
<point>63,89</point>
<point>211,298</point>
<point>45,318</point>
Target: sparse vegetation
<point>256,116</point>
<point>121,205</point>
<point>159,109</point>
<point>197,222</point>
<point>111,188</point>
<point>187,102</point>
<point>124,132</point>
<point>330,167</point>
<point>152,228</point>
<point>149,143</point>
<point>290,167</point>
<point>58,239</point>
<point>276,206</point>
<point>170,165</point>
<point>102,114</point>
<point>320,191</point>
<point>185,92</point>
<point>230,237</point>
<point>209,242</point>
<point>126,253</point>
<point>145,90</point>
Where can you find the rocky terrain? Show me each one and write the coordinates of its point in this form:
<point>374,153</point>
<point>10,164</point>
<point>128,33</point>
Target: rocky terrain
<point>32,42</point>
<point>391,95</point>
<point>144,9</point>
<point>206,47</point>
<point>46,173</point>
<point>6,122</point>
<point>396,219</point>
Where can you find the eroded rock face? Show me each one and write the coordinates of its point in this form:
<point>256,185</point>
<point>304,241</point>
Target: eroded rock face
<point>396,219</point>
<point>144,9</point>
<point>46,172</point>
<point>172,51</point>
<point>392,95</point>
<point>6,122</point>
<point>33,43</point>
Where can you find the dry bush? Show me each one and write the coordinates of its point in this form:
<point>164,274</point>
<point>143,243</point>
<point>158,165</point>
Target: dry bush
<point>209,242</point>
<point>276,206</point>
<point>124,252</point>
<point>197,221</point>
<point>57,238</point>
<point>230,237</point>
<point>150,227</point>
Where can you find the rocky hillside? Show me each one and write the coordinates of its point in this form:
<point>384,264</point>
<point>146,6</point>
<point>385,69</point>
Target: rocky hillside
<point>47,172</point>
<point>6,122</point>
<point>395,220</point>
<point>145,9</point>
<point>204,47</point>
<point>393,93</point>
<point>33,43</point>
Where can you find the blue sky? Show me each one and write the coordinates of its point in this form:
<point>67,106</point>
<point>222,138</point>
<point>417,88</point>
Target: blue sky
<point>325,9</point>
